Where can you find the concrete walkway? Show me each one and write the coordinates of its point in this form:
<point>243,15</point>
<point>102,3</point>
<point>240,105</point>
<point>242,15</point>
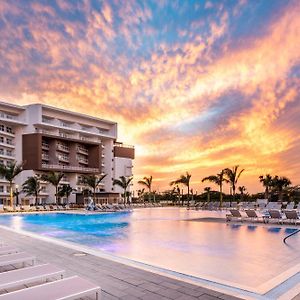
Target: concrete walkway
<point>118,281</point>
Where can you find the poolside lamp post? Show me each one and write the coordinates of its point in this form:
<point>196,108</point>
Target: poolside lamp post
<point>17,194</point>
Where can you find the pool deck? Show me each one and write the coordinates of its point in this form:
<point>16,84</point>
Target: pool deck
<point>118,281</point>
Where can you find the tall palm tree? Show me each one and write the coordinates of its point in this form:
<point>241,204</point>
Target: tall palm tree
<point>147,182</point>
<point>66,191</point>
<point>32,187</point>
<point>233,176</point>
<point>124,183</point>
<point>280,183</point>
<point>184,180</point>
<point>218,180</point>
<point>9,173</point>
<point>93,181</point>
<point>207,190</point>
<point>242,190</point>
<point>53,178</point>
<point>267,182</point>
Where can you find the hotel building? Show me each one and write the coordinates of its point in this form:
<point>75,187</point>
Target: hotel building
<point>46,138</point>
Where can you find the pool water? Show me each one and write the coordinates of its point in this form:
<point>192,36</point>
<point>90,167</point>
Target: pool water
<point>242,254</point>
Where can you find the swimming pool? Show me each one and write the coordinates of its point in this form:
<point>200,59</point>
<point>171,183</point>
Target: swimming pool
<point>244,255</point>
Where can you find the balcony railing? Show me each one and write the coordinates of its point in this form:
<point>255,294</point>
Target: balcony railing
<point>123,146</point>
<point>82,150</point>
<point>45,146</point>
<point>82,160</point>
<point>70,168</point>
<point>63,158</point>
<point>63,148</point>
<point>45,156</point>
<point>7,116</point>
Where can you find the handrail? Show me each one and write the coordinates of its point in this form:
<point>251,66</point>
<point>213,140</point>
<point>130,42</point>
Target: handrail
<point>298,230</point>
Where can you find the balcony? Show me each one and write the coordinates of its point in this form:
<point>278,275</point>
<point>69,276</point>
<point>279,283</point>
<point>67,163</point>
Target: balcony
<point>63,158</point>
<point>5,132</point>
<point>82,150</point>
<point>63,148</point>
<point>45,156</point>
<point>12,119</point>
<point>69,168</point>
<point>45,146</point>
<point>82,160</point>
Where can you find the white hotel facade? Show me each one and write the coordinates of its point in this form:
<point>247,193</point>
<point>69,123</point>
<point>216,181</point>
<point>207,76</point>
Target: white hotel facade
<point>46,138</point>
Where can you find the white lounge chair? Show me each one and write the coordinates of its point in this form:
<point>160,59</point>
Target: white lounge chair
<point>16,258</point>
<point>29,275</point>
<point>65,289</point>
<point>8,250</point>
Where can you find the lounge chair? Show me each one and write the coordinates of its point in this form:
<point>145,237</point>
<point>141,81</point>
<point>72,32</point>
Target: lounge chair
<point>15,258</point>
<point>290,206</point>
<point>292,215</point>
<point>253,216</point>
<point>68,288</point>
<point>29,275</point>
<point>275,215</point>
<point>8,250</point>
<point>234,214</point>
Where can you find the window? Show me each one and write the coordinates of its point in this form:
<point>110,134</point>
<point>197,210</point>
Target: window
<point>8,129</point>
<point>7,189</point>
<point>1,139</point>
<point>1,188</point>
<point>9,163</point>
<point>9,153</point>
<point>2,128</point>
<point>1,151</point>
<point>8,141</point>
<point>1,162</point>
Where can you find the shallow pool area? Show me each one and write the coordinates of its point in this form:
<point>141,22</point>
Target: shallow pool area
<point>243,255</point>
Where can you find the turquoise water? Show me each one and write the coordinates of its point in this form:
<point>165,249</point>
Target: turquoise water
<point>169,238</point>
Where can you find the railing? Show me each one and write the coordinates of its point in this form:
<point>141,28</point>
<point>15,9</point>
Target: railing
<point>7,116</point>
<point>83,150</point>
<point>46,146</point>
<point>45,156</point>
<point>124,146</point>
<point>70,168</point>
<point>82,160</point>
<point>6,131</point>
<point>63,148</point>
<point>63,158</point>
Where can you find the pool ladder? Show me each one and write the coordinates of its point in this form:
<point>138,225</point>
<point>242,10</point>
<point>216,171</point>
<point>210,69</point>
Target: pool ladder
<point>293,233</point>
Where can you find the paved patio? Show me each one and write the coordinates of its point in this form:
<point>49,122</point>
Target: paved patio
<point>118,281</point>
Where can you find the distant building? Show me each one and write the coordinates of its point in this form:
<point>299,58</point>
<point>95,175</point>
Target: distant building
<point>46,138</point>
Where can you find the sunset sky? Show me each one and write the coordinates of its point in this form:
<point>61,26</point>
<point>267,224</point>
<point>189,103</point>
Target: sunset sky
<point>195,85</point>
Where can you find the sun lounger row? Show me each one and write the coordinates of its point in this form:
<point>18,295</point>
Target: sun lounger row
<point>288,216</point>
<point>35,208</point>
<point>62,288</point>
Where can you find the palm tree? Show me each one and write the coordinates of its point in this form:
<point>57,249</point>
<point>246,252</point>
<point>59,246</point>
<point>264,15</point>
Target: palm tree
<point>279,183</point>
<point>54,179</point>
<point>65,191</point>
<point>93,181</point>
<point>207,190</point>
<point>141,194</point>
<point>124,183</point>
<point>147,182</point>
<point>185,180</point>
<point>32,187</point>
<point>9,173</point>
<point>242,190</point>
<point>218,180</point>
<point>267,182</point>
<point>233,176</point>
